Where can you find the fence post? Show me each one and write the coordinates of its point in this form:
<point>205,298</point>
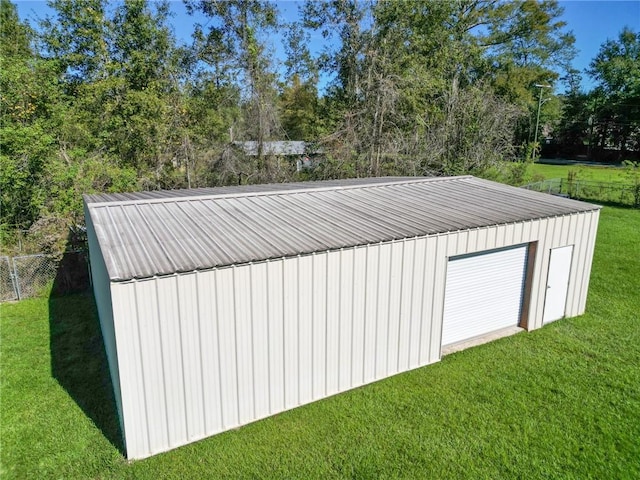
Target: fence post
<point>7,280</point>
<point>16,279</point>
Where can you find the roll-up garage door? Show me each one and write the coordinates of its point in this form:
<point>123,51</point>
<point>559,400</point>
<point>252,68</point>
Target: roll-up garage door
<point>483,293</point>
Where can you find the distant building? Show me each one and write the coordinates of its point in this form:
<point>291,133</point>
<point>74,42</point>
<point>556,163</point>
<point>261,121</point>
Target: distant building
<point>283,148</point>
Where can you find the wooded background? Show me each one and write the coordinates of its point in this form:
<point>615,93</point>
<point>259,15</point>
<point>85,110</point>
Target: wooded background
<point>101,97</point>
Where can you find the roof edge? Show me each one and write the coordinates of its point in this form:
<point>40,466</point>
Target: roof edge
<point>270,192</point>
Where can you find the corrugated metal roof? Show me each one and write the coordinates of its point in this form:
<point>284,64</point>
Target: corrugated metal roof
<point>160,233</point>
<point>232,189</point>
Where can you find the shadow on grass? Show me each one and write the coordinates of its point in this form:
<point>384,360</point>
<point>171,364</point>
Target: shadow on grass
<point>78,358</point>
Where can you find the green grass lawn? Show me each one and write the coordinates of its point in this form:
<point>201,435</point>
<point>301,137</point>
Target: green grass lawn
<point>541,171</point>
<point>560,402</point>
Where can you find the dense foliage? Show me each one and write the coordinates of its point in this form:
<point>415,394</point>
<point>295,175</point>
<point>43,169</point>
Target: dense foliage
<point>607,117</point>
<point>101,96</point>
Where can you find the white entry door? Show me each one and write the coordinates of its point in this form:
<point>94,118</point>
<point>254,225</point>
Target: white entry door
<point>483,293</point>
<point>557,283</point>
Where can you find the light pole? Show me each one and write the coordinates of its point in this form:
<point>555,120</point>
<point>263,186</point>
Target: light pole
<point>535,135</point>
<point>590,122</point>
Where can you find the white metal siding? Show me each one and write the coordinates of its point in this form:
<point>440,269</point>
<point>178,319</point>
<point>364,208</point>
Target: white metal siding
<point>102,294</point>
<point>209,351</point>
<point>483,293</point>
<point>581,286</point>
<point>201,353</point>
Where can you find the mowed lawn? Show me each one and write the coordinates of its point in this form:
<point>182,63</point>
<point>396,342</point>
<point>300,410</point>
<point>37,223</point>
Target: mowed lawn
<point>560,402</point>
<point>591,173</point>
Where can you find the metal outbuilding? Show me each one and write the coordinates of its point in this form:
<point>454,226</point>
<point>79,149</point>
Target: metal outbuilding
<point>221,306</point>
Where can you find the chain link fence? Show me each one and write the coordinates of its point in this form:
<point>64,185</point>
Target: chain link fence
<point>28,276</point>
<point>623,194</point>
<point>34,274</point>
<point>7,284</point>
<point>553,186</point>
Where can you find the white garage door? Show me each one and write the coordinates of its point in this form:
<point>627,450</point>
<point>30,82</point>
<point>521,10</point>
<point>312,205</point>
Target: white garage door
<point>483,293</point>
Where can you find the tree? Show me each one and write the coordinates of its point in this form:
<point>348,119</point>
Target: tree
<point>79,36</point>
<point>365,89</point>
<point>299,103</point>
<point>574,128</point>
<point>616,69</point>
<point>123,72</point>
<point>104,98</point>
<point>299,62</point>
<point>212,108</point>
<point>30,111</point>
<point>235,47</point>
<point>527,44</point>
<point>299,110</point>
<point>405,74</point>
<point>15,36</point>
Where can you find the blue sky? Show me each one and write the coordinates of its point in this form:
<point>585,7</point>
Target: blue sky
<point>592,22</point>
<point>595,22</point>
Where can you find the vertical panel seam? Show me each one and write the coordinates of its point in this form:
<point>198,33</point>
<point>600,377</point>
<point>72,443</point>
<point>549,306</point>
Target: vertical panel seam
<point>364,312</point>
<point>541,255</point>
<point>297,323</point>
<point>144,388</point>
<point>217,326</point>
<point>339,329</point>
<point>326,325</point>
<point>253,346</point>
<point>571,235</point>
<point>402,287</point>
<point>411,291</point>
<point>284,339</point>
<point>445,262</point>
<point>311,323</point>
<point>553,231</point>
<point>424,287</point>
<point>353,312</point>
<point>386,367</point>
<point>164,382</point>
<point>235,339</point>
<point>587,249</point>
<point>184,385</point>
<point>579,245</point>
<point>199,324</point>
<point>377,314</point>
<point>268,319</point>
<point>549,255</point>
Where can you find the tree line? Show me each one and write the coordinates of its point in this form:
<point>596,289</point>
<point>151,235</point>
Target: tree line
<point>102,97</point>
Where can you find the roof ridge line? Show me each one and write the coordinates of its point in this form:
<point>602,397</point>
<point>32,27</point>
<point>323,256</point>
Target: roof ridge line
<point>271,192</point>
